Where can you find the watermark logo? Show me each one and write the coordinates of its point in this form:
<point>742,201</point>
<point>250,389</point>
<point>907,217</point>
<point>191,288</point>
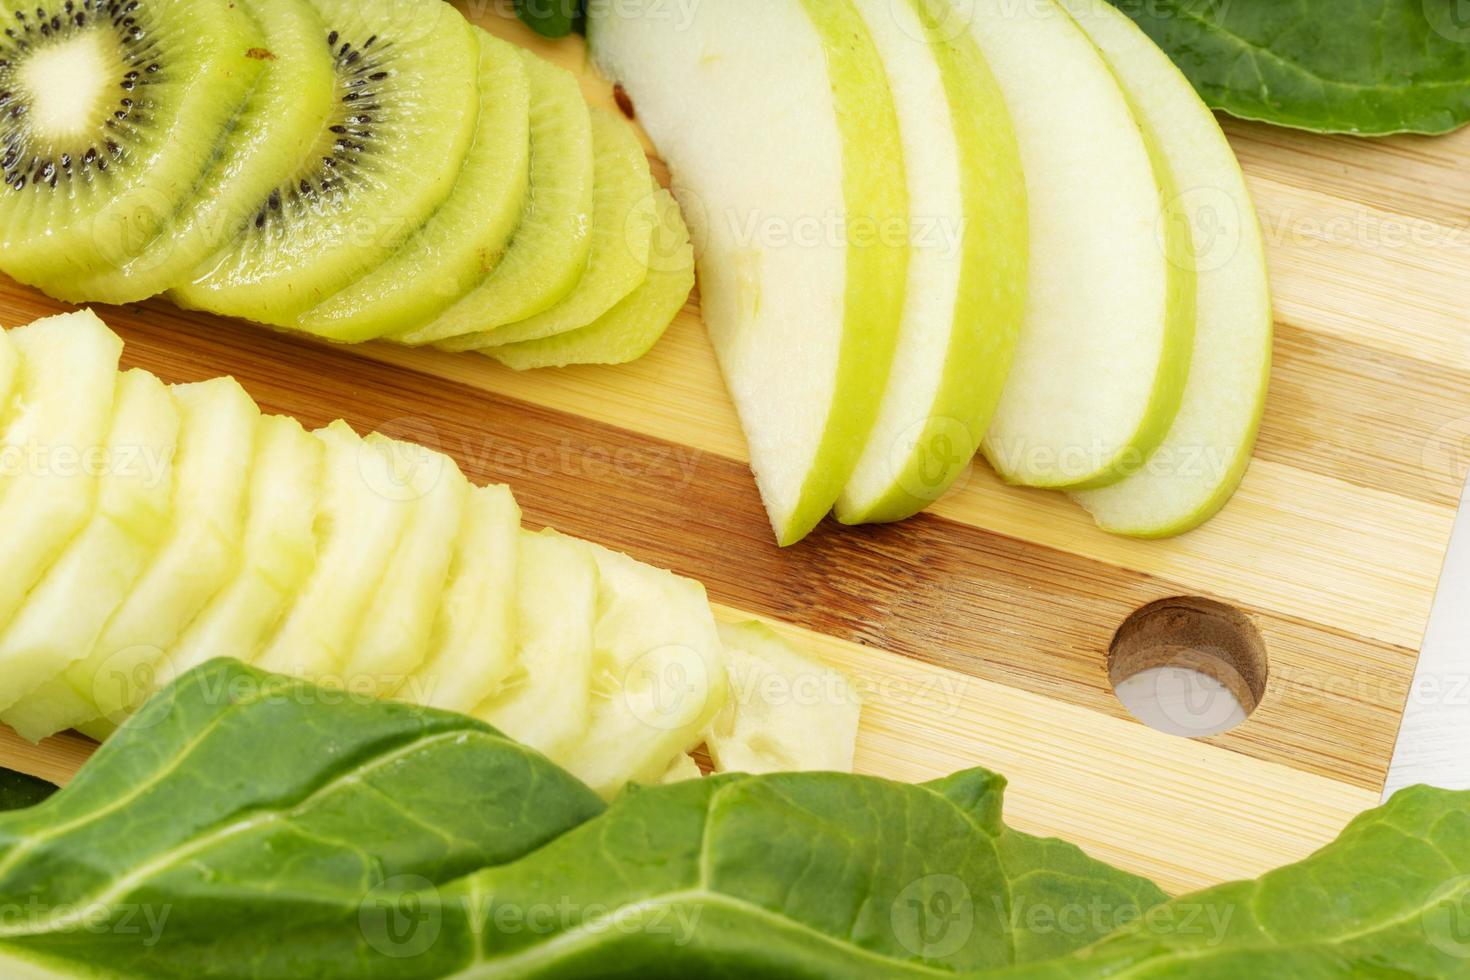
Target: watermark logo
<point>667,687</point>
<point>1447,918</point>
<point>401,917</point>
<point>934,916</point>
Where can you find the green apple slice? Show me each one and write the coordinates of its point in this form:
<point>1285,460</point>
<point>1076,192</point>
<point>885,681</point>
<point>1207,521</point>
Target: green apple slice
<point>279,552</point>
<point>631,328</point>
<point>466,237</point>
<point>545,700</point>
<point>64,614</point>
<point>394,636</point>
<point>472,649</point>
<point>787,713</point>
<point>1205,454</point>
<point>658,674</point>
<point>1104,349</point>
<point>683,768</point>
<point>623,216</point>
<point>967,272</point>
<point>198,555</point>
<point>63,406</point>
<point>548,252</point>
<point>9,374</point>
<point>364,509</point>
<point>285,112</point>
<point>797,199</point>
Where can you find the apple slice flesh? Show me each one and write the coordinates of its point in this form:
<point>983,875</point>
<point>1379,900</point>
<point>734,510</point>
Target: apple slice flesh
<point>472,648</point>
<point>64,614</point>
<point>548,251</point>
<point>364,510</point>
<point>630,329</point>
<point>63,403</point>
<point>1203,458</point>
<point>794,191</point>
<point>394,635</point>
<point>658,676</point>
<point>279,552</point>
<point>967,271</point>
<point>1104,349</point>
<point>623,216</point>
<point>445,258</point>
<point>545,702</point>
<point>787,713</point>
<point>197,556</point>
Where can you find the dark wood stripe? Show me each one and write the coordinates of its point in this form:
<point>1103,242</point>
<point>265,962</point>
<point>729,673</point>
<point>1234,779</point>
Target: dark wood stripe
<point>979,603</point>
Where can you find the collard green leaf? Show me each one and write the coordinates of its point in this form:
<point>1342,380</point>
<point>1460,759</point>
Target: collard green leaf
<point>243,823</point>
<point>18,791</point>
<point>1370,67</point>
<point>1389,898</point>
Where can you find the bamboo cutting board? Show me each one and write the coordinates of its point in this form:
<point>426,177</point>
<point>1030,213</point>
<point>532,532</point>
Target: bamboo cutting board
<point>981,630</point>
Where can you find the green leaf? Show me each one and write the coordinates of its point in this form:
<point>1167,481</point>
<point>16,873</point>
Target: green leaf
<point>552,18</point>
<point>1389,898</point>
<point>1370,67</point>
<point>18,791</point>
<point>243,823</point>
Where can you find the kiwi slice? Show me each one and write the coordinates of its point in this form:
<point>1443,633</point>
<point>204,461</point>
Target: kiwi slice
<point>623,216</point>
<point>387,158</point>
<point>548,252</point>
<point>110,111</point>
<point>284,113</point>
<point>465,238</point>
<point>631,328</point>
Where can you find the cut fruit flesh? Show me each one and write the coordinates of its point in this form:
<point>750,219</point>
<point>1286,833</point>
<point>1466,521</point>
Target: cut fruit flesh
<point>364,510</point>
<point>285,112</point>
<point>465,238</point>
<point>64,614</point>
<point>197,556</point>
<point>623,216</point>
<point>630,329</point>
<point>548,251</point>
<point>799,187</point>
<point>546,700</point>
<point>682,768</point>
<point>279,552</point>
<point>967,269</point>
<point>1104,349</point>
<point>62,404</point>
<point>9,374</point>
<point>787,713</point>
<point>1204,457</point>
<point>109,120</point>
<point>394,637</point>
<point>396,143</point>
<point>658,676</point>
<point>473,647</point>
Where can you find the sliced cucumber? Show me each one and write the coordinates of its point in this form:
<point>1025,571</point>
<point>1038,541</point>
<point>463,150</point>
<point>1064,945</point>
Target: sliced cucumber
<point>658,674</point>
<point>630,329</point>
<point>473,645</point>
<point>545,702</point>
<point>279,552</point>
<point>394,636</point>
<point>63,404</point>
<point>466,237</point>
<point>64,614</point>
<point>197,556</point>
<point>548,252</point>
<point>786,713</point>
<point>623,218</point>
<point>364,510</point>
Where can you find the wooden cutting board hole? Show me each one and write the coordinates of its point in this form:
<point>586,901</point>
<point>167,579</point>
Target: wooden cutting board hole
<point>1189,666</point>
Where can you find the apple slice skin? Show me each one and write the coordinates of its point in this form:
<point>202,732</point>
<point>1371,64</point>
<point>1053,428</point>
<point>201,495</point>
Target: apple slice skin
<point>630,329</point>
<point>822,151</point>
<point>1104,350</point>
<point>969,293</point>
<point>1225,397</point>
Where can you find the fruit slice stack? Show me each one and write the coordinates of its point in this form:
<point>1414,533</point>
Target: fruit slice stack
<point>353,170</point>
<point>159,526</point>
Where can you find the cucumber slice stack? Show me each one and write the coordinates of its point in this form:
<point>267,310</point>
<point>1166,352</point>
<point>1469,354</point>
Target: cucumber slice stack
<point>160,526</point>
<point>350,169</point>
